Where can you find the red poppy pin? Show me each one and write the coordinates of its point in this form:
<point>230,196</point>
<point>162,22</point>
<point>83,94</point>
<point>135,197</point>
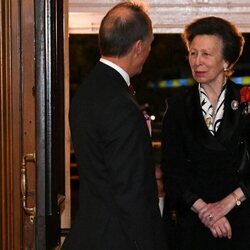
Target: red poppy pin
<point>245,99</point>
<point>245,94</point>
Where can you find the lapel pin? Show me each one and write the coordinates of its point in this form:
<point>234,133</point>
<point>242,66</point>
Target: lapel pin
<point>234,104</point>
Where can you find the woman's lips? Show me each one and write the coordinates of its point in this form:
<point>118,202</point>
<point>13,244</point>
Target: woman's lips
<point>200,73</point>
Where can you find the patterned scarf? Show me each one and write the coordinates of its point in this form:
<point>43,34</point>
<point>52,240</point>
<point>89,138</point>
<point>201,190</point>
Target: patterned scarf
<point>212,116</point>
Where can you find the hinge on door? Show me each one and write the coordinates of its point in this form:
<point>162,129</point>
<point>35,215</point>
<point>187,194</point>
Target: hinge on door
<point>30,211</point>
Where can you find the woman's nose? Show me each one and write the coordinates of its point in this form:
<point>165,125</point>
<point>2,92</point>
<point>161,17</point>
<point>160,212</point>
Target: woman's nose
<point>197,60</point>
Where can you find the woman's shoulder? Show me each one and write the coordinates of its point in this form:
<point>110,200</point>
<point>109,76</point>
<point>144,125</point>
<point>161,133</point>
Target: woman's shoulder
<point>182,96</point>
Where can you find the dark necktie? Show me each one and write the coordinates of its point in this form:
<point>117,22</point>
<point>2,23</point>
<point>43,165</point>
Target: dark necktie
<point>131,89</point>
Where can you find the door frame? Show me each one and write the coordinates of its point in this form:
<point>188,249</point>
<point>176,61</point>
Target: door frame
<point>50,114</point>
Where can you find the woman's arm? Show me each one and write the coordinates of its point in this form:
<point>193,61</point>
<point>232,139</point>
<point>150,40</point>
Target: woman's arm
<point>212,212</point>
<point>220,228</point>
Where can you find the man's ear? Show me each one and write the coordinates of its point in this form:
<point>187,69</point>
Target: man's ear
<point>138,47</point>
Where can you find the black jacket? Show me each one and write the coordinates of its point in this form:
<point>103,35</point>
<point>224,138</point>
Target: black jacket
<point>196,163</point>
<point>118,193</point>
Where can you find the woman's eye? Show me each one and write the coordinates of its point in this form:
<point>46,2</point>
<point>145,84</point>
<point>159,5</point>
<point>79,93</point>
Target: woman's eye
<point>206,54</point>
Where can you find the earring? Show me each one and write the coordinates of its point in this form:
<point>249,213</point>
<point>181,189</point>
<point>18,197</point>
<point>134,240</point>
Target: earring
<point>225,69</point>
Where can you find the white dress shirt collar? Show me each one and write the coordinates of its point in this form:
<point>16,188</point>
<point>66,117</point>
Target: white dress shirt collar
<point>122,72</point>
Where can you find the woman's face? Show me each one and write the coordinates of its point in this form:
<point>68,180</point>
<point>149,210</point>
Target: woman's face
<point>206,59</point>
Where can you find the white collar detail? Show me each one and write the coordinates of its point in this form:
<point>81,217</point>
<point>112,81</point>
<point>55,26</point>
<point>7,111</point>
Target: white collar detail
<point>122,72</point>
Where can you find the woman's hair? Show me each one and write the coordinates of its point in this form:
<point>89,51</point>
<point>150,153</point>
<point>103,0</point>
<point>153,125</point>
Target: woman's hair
<point>123,25</point>
<point>232,39</point>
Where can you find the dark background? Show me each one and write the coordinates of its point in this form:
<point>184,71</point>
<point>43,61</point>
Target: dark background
<point>167,60</point>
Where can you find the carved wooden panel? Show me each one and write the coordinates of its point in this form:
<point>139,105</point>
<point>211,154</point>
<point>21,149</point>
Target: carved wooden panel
<point>168,16</point>
<point>10,154</point>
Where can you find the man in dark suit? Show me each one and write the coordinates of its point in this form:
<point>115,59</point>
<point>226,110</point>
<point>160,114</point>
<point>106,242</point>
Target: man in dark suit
<point>118,192</point>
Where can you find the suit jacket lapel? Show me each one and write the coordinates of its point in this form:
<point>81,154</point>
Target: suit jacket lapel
<point>197,123</point>
<point>231,117</point>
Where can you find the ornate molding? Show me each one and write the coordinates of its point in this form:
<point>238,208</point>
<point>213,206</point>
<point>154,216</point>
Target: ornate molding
<point>167,16</point>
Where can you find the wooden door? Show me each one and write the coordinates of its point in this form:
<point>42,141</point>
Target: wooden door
<point>18,123</point>
<point>31,123</point>
<point>10,124</point>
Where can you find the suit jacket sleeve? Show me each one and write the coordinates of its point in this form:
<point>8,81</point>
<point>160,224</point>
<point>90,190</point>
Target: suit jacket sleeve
<point>244,170</point>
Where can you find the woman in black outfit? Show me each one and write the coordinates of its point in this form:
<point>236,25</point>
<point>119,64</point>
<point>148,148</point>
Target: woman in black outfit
<point>206,140</point>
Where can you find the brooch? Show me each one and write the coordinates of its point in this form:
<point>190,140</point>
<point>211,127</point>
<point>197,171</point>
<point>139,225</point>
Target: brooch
<point>234,105</point>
